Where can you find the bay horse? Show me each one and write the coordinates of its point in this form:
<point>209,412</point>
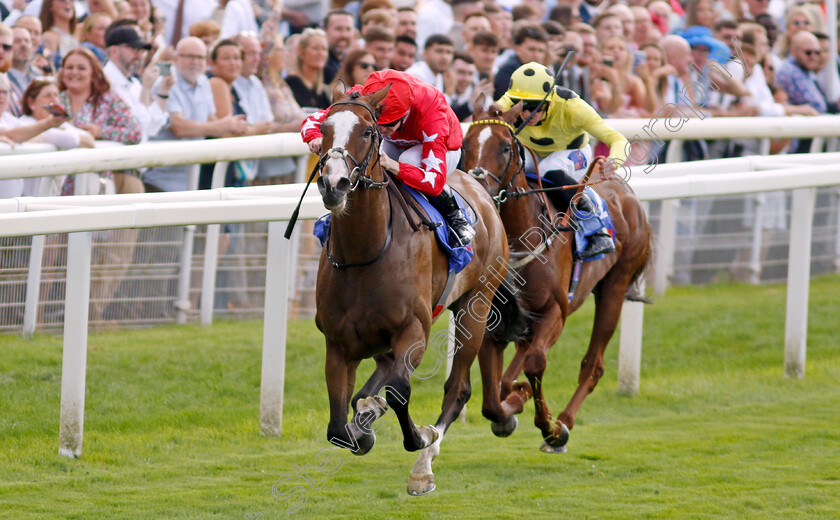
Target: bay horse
<point>491,152</point>
<point>378,282</point>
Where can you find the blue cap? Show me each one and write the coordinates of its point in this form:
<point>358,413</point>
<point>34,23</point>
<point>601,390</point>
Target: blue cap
<point>702,36</point>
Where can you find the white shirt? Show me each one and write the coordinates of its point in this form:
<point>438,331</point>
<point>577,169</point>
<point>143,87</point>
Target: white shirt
<point>253,99</point>
<point>434,17</point>
<point>194,11</point>
<point>423,72</point>
<point>239,17</point>
<point>152,117</point>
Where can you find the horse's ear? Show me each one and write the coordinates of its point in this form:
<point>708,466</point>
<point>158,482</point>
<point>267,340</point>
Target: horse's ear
<point>339,90</point>
<point>479,106</point>
<point>376,98</point>
<point>511,115</point>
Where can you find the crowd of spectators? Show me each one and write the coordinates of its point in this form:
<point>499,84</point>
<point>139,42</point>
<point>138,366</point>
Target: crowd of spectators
<point>135,70</point>
<point>79,73</point>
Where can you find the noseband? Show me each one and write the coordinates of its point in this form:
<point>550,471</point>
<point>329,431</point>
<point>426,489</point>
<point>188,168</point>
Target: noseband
<point>481,173</point>
<point>358,168</point>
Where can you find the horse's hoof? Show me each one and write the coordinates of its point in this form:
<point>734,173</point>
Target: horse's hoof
<point>545,448</point>
<point>374,403</point>
<point>556,443</point>
<point>365,443</point>
<point>506,427</point>
<point>421,484</point>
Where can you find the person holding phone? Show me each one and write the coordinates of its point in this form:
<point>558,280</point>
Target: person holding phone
<point>125,51</point>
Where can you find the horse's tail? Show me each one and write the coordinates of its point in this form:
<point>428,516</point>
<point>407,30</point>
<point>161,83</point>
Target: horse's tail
<point>634,291</point>
<point>513,322</point>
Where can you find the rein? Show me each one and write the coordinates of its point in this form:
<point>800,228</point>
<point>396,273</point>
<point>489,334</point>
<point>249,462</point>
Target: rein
<point>480,173</point>
<point>361,180</point>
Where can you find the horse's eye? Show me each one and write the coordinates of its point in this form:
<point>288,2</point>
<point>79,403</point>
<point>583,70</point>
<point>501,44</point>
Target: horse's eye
<point>506,149</point>
<point>368,132</point>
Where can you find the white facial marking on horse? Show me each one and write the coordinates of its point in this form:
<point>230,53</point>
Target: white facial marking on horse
<point>343,124</point>
<point>483,136</point>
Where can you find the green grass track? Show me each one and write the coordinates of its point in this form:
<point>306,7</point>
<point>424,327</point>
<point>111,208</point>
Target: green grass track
<point>172,427</point>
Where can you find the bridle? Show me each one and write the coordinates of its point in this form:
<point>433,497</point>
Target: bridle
<point>357,169</point>
<point>359,177</point>
<point>481,173</point>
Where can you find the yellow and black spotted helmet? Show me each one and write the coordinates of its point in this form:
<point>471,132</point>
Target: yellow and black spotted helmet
<point>530,82</point>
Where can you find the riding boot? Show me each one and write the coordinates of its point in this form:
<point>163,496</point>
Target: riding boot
<point>446,204</point>
<point>599,243</point>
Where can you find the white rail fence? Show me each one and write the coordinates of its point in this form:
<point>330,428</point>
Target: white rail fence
<point>79,216</point>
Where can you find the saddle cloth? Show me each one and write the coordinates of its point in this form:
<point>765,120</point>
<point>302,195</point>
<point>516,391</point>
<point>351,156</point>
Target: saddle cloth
<point>588,224</point>
<point>458,256</point>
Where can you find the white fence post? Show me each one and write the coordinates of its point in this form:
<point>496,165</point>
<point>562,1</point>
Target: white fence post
<point>208,277</point>
<point>278,259</point>
<point>798,278</point>
<point>33,285</point>
<point>74,359</point>
<point>182,300</point>
<point>664,268</point>
<point>211,254</point>
<point>758,201</point>
<point>837,231</point>
<point>630,340</point>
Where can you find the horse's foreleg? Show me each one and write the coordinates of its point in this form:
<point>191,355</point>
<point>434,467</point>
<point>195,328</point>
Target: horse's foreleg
<point>609,299</point>
<point>354,436</point>
<point>546,331</point>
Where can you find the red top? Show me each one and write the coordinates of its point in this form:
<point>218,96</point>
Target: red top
<point>430,122</point>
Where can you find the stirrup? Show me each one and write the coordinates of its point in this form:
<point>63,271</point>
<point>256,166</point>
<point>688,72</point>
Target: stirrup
<point>604,248</point>
<point>463,230</point>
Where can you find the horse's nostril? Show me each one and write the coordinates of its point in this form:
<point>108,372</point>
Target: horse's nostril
<point>342,185</point>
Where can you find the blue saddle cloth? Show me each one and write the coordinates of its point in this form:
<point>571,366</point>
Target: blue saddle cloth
<point>588,224</point>
<point>459,256</point>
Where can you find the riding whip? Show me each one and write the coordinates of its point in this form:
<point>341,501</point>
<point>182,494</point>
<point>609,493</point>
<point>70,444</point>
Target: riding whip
<point>542,102</point>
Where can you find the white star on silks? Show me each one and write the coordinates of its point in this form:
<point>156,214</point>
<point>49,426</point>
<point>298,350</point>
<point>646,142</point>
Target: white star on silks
<point>310,124</point>
<point>429,138</point>
<point>432,164</point>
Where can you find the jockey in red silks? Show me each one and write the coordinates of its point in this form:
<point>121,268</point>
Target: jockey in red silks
<point>421,140</point>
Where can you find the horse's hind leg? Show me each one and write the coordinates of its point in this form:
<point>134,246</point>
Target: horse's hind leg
<point>384,365</point>
<point>609,298</point>
<point>457,389</point>
<point>408,347</point>
<point>500,404</point>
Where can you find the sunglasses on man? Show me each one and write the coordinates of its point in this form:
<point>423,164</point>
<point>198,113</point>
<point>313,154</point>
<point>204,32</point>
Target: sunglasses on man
<point>532,105</point>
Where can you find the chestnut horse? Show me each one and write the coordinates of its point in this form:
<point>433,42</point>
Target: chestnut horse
<point>491,152</point>
<point>378,281</point>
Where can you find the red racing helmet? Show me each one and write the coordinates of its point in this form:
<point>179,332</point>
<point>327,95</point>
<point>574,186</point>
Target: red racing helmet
<point>399,97</point>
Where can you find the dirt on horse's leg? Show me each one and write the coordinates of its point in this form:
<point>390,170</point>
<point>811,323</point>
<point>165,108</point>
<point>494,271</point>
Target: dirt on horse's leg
<point>609,298</point>
<point>501,412</point>
<point>384,364</point>
<point>546,331</point>
<point>340,378</point>
<point>457,392</point>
